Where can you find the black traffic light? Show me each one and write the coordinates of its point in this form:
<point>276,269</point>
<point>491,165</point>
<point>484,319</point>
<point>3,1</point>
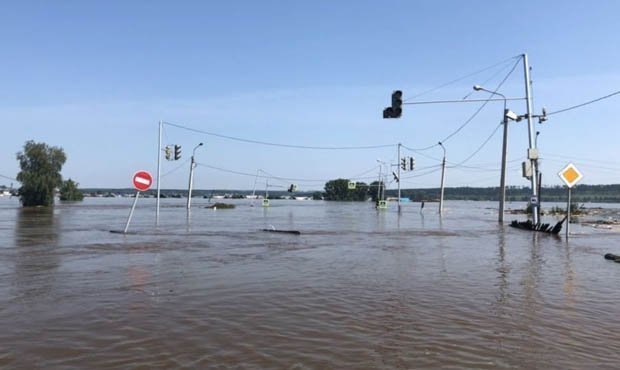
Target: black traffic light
<point>177,152</point>
<point>403,164</point>
<point>411,163</point>
<point>168,152</point>
<point>396,110</point>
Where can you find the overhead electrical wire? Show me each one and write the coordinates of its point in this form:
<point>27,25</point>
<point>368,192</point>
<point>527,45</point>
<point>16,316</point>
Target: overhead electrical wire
<point>9,178</point>
<point>176,168</point>
<point>481,106</point>
<point>462,78</point>
<point>269,176</point>
<point>471,118</point>
<point>278,144</point>
<point>584,104</point>
<point>479,148</point>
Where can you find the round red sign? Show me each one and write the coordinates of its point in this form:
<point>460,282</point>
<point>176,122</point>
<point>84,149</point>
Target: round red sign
<point>142,180</point>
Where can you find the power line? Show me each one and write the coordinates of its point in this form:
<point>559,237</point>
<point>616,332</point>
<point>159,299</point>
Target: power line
<point>270,176</point>
<point>482,105</point>
<point>471,118</point>
<point>176,168</point>
<point>464,77</point>
<point>479,148</point>
<point>9,178</point>
<point>584,104</point>
<point>278,144</point>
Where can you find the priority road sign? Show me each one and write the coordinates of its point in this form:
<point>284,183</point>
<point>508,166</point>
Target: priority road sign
<point>570,175</point>
<point>142,180</point>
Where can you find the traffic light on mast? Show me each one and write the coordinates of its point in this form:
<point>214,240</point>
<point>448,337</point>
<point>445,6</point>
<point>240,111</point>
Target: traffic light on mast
<point>396,110</point>
<point>168,152</point>
<point>411,163</point>
<point>177,152</point>
<point>403,164</point>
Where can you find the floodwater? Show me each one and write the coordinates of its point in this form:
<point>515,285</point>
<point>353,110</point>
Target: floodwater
<point>358,289</point>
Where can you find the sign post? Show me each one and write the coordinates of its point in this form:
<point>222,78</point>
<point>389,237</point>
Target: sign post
<point>142,181</point>
<point>571,176</point>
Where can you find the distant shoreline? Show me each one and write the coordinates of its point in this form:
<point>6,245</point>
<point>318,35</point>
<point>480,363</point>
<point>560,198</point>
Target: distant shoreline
<point>580,193</point>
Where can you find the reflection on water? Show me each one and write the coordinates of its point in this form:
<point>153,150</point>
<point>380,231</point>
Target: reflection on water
<point>359,288</point>
<point>37,258</point>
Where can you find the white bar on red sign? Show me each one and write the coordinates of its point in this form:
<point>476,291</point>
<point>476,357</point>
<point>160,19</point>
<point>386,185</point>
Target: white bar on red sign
<point>142,180</point>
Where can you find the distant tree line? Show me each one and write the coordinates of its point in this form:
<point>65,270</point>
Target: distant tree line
<point>580,193</point>
<point>338,190</point>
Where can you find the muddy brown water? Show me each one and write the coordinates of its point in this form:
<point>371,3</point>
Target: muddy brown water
<point>358,289</point>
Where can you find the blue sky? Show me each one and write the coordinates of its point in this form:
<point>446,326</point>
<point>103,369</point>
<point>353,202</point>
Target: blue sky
<point>96,77</point>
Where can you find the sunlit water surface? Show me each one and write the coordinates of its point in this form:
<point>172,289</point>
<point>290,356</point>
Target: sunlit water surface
<point>358,289</point>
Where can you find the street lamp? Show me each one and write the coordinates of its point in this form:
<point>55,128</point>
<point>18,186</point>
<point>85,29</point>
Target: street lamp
<point>380,188</point>
<point>508,114</point>
<point>443,172</point>
<point>191,177</point>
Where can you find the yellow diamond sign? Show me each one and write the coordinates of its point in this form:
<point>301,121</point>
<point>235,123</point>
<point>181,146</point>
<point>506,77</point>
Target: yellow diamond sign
<point>570,175</point>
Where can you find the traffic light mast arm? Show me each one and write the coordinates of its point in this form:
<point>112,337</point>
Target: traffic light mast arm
<point>458,101</point>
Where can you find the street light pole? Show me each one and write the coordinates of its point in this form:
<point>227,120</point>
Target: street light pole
<point>379,190</point>
<point>443,172</point>
<point>191,177</point>
<point>502,181</point>
<point>161,124</point>
<point>398,169</point>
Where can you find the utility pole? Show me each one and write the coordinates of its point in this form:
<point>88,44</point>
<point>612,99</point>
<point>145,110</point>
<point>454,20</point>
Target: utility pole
<point>379,184</point>
<point>532,153</point>
<point>502,181</point>
<point>191,177</point>
<point>443,172</point>
<point>398,166</point>
<point>161,124</point>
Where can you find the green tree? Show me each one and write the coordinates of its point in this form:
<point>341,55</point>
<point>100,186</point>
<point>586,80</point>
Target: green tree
<point>40,173</point>
<point>69,191</point>
<point>339,190</point>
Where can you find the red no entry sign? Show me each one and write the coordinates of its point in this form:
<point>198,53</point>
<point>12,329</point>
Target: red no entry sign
<point>142,180</point>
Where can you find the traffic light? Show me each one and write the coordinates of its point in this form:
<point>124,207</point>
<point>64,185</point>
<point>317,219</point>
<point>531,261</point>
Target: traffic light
<point>396,110</point>
<point>292,188</point>
<point>411,163</point>
<point>177,152</point>
<point>403,164</point>
<point>168,152</point>
<point>397,103</point>
<point>395,176</point>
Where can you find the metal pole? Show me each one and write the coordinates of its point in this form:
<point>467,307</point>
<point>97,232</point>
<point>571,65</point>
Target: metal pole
<point>443,171</point>
<point>131,212</point>
<point>161,124</point>
<point>398,165</point>
<point>532,140</point>
<point>568,214</point>
<point>191,176</point>
<point>379,184</point>
<point>502,181</point>
<point>191,181</point>
<point>254,189</point>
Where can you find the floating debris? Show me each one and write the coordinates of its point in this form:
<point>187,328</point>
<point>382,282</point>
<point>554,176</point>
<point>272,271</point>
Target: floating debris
<point>544,228</point>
